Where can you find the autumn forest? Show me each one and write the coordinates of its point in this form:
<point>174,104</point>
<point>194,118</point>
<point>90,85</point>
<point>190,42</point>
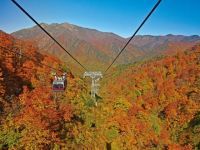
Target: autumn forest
<point>152,103</point>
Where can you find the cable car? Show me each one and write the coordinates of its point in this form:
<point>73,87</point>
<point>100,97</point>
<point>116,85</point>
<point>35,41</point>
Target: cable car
<point>59,83</point>
<point>58,86</point>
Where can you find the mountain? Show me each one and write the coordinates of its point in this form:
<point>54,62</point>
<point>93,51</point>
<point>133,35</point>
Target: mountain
<point>165,44</point>
<point>152,104</point>
<point>152,42</point>
<point>29,110</point>
<point>156,103</point>
<point>88,45</point>
<point>17,71</point>
<point>91,46</point>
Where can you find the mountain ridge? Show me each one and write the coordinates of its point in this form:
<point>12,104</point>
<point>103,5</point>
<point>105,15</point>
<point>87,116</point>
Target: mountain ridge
<point>151,104</point>
<point>64,23</point>
<point>93,47</point>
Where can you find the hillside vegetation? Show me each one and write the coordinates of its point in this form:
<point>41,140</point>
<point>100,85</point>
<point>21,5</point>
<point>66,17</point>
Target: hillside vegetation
<point>156,104</point>
<point>146,105</point>
<point>95,49</point>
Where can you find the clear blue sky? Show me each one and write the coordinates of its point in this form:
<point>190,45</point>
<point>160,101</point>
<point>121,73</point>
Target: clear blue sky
<point>119,16</point>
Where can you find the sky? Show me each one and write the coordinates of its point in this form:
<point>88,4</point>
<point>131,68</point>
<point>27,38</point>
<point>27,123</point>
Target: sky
<point>122,17</point>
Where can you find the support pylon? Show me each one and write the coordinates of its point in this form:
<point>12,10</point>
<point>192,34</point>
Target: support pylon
<point>95,76</point>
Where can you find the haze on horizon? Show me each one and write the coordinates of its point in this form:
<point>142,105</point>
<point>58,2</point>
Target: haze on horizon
<point>122,17</point>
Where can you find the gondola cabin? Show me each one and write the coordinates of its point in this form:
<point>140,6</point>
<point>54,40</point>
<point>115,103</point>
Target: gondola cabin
<point>59,84</point>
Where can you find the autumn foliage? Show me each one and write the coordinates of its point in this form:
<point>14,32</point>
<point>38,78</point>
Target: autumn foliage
<point>162,98</point>
<point>147,105</point>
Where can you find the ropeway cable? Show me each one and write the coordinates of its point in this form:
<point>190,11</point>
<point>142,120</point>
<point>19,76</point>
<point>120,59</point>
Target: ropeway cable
<point>143,22</point>
<point>26,13</point>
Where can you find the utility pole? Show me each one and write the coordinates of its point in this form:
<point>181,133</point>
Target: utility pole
<point>95,76</point>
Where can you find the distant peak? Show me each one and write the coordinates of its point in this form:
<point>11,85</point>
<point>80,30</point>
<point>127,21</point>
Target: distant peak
<point>169,35</point>
<point>43,24</point>
<point>196,36</point>
<point>66,23</point>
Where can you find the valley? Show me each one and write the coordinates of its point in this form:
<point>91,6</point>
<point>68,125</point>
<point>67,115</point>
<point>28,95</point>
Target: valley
<point>96,49</point>
<point>145,102</point>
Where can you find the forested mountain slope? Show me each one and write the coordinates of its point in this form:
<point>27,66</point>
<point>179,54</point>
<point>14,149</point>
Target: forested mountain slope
<point>155,104</point>
<point>146,105</point>
<point>88,45</point>
<point>31,117</point>
<point>95,48</point>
